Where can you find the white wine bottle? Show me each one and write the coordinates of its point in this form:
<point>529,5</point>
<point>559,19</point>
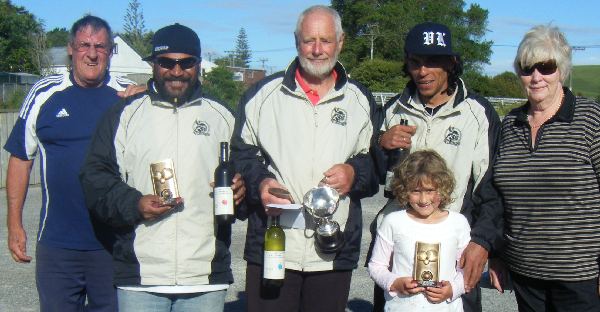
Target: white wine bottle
<point>274,261</point>
<point>223,194</point>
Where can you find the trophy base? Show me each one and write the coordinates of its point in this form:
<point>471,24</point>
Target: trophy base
<point>428,284</point>
<point>329,244</point>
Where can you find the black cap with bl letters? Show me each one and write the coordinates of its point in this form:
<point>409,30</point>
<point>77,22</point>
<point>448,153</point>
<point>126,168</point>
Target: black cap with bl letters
<point>429,39</point>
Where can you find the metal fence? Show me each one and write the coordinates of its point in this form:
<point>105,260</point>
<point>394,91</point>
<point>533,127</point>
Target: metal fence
<point>7,91</point>
<point>7,120</point>
<point>382,97</point>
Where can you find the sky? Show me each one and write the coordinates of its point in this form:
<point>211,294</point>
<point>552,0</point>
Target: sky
<point>269,24</point>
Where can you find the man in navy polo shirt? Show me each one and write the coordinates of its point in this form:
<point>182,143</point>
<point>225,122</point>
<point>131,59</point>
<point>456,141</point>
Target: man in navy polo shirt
<point>57,120</point>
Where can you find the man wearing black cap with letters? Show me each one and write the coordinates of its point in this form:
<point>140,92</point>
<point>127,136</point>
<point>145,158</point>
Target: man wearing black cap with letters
<point>463,127</point>
<point>168,255</point>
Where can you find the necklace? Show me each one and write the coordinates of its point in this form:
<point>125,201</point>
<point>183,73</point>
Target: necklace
<point>537,125</point>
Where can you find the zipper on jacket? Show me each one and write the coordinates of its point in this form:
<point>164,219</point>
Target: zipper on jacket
<point>176,215</point>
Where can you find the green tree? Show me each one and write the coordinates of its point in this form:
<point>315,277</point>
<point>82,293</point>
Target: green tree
<point>392,19</point>
<point>135,29</point>
<point>507,84</point>
<point>18,28</point>
<point>219,84</point>
<point>242,52</point>
<point>380,75</point>
<point>57,37</point>
<point>222,61</point>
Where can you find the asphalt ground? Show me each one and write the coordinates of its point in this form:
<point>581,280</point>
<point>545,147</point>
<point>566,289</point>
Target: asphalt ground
<point>17,281</point>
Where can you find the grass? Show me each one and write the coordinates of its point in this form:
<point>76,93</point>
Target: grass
<point>586,80</point>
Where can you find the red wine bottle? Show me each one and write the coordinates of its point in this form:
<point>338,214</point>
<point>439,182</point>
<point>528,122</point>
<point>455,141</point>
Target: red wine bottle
<point>223,194</point>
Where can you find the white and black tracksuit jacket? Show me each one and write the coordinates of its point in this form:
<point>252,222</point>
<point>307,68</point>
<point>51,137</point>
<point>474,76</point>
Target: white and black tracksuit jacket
<point>183,247</point>
<point>280,134</point>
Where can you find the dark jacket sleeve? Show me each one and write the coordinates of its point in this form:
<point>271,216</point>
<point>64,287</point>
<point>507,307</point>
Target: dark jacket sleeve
<point>366,179</point>
<point>249,160</point>
<point>488,213</point>
<point>380,154</point>
<point>109,199</point>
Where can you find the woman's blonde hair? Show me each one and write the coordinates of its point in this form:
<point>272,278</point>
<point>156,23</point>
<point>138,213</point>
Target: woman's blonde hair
<point>543,43</point>
<point>423,167</point>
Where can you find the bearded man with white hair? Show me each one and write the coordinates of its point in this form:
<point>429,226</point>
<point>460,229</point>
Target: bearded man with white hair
<point>308,124</point>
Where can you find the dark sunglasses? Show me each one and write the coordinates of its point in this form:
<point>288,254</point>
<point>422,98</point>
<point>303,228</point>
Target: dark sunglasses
<point>169,63</point>
<point>545,68</point>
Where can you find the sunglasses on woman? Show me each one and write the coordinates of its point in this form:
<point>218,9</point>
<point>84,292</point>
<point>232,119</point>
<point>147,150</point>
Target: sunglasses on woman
<point>169,63</point>
<point>544,68</point>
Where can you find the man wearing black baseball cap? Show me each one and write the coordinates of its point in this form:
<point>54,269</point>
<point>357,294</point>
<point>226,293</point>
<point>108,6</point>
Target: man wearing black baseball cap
<point>463,127</point>
<point>168,255</point>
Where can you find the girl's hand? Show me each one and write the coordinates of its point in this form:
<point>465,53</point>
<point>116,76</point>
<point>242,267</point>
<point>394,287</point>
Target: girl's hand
<point>406,286</point>
<point>439,294</point>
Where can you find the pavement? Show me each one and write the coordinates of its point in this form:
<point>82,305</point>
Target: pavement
<point>17,281</point>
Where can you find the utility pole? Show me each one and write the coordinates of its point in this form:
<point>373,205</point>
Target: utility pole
<point>263,60</point>
<point>210,55</point>
<point>231,58</point>
<point>373,32</point>
<point>574,48</point>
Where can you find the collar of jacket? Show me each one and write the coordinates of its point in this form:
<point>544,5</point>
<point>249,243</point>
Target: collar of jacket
<point>411,90</point>
<point>158,100</point>
<point>565,111</point>
<point>289,78</point>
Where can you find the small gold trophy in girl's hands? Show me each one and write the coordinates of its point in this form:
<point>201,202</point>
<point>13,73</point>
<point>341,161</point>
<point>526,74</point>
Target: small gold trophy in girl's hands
<point>427,264</point>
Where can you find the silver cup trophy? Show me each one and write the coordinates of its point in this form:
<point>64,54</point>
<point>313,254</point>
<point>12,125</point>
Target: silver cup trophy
<point>321,203</point>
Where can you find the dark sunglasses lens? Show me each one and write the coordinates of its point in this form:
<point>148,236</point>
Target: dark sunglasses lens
<point>166,63</point>
<point>545,68</point>
<point>527,71</point>
<point>188,62</point>
<point>169,63</point>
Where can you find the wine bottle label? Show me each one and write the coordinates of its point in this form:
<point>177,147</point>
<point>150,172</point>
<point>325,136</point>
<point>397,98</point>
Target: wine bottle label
<point>223,200</point>
<point>274,265</point>
<point>389,178</point>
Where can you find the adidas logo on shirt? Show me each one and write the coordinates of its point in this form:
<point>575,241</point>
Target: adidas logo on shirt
<point>63,113</point>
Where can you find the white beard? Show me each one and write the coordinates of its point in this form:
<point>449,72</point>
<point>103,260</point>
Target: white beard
<point>317,71</point>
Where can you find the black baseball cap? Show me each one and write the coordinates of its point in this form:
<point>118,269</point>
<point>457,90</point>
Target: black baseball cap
<point>174,38</point>
<point>429,39</point>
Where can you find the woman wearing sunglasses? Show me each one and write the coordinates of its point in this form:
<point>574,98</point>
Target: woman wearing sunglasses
<point>548,172</point>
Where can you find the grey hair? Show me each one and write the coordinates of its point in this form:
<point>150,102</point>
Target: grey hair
<point>542,43</point>
<point>96,23</point>
<point>337,20</point>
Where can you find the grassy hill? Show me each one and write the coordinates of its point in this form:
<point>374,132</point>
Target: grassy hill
<point>586,80</point>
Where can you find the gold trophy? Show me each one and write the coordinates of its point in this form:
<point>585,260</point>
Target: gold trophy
<point>427,264</point>
<point>164,181</point>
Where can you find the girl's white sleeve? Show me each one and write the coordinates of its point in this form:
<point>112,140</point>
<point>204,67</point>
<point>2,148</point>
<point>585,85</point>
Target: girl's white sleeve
<point>379,265</point>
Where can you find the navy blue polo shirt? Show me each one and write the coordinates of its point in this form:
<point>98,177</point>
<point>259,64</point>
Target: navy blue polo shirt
<point>57,121</point>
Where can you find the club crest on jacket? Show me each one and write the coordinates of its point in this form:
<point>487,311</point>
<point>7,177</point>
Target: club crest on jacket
<point>201,128</point>
<point>452,136</point>
<point>339,116</point>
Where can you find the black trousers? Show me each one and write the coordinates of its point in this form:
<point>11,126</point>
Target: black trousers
<point>301,291</point>
<point>471,301</point>
<point>538,295</point>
